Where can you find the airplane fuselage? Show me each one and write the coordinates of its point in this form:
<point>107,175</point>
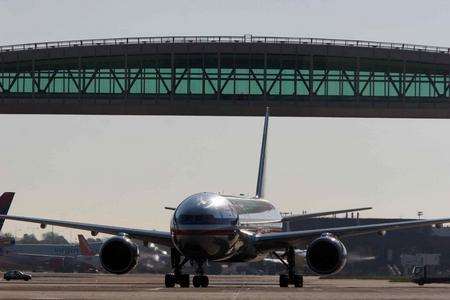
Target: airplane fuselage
<point>209,226</point>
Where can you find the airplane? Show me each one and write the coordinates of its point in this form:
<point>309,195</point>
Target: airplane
<point>56,257</point>
<point>87,259</point>
<point>213,227</point>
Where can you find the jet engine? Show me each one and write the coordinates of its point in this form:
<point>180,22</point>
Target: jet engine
<point>119,255</point>
<point>326,255</point>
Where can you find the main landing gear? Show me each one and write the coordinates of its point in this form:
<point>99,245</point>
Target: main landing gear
<point>177,277</point>
<point>291,277</point>
<point>199,280</point>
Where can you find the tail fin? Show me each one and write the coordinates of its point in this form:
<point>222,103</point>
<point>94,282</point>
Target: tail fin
<point>5,202</point>
<point>262,159</point>
<point>85,249</point>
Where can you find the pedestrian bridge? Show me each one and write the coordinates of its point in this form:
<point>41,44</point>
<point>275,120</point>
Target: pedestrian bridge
<point>226,75</point>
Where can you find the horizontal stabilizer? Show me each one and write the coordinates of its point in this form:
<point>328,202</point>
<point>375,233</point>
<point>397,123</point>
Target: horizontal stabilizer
<point>321,214</point>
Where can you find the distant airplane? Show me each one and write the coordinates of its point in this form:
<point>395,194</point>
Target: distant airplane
<point>55,257</point>
<point>214,227</point>
<point>36,256</point>
<point>87,258</point>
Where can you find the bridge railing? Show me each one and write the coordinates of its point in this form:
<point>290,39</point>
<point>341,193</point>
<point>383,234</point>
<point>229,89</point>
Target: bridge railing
<point>223,39</point>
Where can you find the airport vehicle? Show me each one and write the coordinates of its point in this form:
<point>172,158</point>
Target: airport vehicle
<point>421,276</point>
<point>215,227</point>
<point>16,275</point>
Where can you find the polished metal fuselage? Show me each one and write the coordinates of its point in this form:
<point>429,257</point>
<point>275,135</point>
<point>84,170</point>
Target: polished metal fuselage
<point>209,226</point>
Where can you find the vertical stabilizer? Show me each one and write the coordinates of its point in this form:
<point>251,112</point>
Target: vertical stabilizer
<point>262,159</point>
<point>85,249</point>
<point>5,202</point>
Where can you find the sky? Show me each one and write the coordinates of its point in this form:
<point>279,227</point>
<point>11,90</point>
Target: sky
<point>122,170</point>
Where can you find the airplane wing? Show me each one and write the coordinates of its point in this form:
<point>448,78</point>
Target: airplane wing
<point>320,214</point>
<point>280,240</point>
<point>34,255</point>
<point>151,236</point>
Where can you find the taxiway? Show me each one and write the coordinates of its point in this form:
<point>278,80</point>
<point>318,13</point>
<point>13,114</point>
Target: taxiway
<point>140,286</point>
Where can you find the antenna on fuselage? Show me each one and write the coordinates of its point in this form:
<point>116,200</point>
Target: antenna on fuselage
<point>262,159</point>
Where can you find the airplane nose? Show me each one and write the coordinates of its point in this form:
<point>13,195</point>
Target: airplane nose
<point>204,225</point>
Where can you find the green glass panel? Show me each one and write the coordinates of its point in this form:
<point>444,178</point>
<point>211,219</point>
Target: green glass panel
<point>287,88</point>
<point>196,86</point>
<point>333,88</point>
<point>242,86</point>
<point>182,87</point>
<point>347,89</point>
<point>150,86</point>
<point>136,88</point>
<point>211,84</point>
<point>254,88</point>
<point>275,88</point>
<point>378,86</point>
<point>439,84</point>
<point>58,84</point>
<point>228,87</point>
<point>209,90</point>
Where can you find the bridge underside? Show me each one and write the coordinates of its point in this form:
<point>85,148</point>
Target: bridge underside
<point>325,108</point>
<point>226,79</point>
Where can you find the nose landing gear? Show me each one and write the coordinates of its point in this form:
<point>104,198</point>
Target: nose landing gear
<point>291,277</point>
<point>177,277</point>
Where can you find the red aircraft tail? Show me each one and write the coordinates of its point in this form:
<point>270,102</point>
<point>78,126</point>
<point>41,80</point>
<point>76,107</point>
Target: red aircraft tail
<point>85,249</point>
<point>5,202</point>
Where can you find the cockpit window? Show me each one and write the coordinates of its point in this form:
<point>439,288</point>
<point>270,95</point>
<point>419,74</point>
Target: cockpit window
<point>185,219</point>
<point>205,208</point>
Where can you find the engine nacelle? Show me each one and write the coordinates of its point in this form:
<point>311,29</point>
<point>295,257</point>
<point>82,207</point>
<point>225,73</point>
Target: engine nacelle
<point>326,255</point>
<point>119,255</point>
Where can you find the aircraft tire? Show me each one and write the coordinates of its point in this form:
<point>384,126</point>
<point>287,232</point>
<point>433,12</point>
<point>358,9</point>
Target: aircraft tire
<point>169,280</point>
<point>298,281</point>
<point>284,280</point>
<point>205,281</point>
<point>184,280</point>
<point>200,281</point>
<point>196,281</point>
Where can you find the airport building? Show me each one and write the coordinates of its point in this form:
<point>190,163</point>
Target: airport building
<point>395,253</point>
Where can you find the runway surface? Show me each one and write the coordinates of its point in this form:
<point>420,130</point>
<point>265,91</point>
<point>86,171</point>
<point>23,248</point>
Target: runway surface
<point>99,286</point>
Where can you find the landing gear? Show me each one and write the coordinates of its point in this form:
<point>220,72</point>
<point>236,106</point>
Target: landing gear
<point>177,277</point>
<point>291,277</point>
<point>200,280</point>
<point>171,279</point>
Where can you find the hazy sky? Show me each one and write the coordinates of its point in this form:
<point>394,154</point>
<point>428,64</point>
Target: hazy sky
<point>123,170</point>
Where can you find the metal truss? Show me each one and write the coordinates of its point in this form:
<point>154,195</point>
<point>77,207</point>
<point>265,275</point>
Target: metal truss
<point>223,81</point>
